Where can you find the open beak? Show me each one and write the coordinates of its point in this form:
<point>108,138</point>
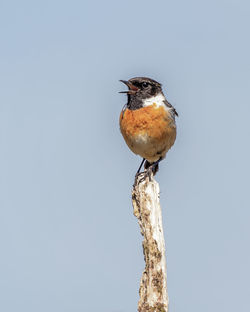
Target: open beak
<point>132,88</point>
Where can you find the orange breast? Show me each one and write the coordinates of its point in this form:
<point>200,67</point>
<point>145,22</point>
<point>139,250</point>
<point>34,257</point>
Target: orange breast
<point>148,131</point>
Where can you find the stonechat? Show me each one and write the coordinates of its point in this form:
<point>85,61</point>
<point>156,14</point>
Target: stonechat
<point>147,121</point>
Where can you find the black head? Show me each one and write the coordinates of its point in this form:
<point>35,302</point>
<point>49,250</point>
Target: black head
<point>140,88</point>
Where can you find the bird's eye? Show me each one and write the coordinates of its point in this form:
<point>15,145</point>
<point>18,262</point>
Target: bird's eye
<point>145,84</point>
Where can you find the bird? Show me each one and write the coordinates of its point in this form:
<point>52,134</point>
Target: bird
<point>147,122</point>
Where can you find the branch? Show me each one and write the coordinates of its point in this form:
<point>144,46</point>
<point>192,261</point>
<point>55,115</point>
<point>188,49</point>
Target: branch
<point>147,209</point>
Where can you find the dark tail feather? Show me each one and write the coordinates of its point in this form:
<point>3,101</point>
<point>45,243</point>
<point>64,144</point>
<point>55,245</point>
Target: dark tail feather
<point>155,167</point>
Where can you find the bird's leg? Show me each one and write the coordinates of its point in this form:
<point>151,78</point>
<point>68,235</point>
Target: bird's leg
<point>138,171</point>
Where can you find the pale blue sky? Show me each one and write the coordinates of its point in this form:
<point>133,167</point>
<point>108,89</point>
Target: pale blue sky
<point>68,239</point>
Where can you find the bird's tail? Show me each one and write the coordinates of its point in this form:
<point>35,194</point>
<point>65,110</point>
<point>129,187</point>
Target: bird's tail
<point>155,167</point>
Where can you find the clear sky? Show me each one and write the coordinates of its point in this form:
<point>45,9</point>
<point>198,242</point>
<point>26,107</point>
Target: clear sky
<point>68,239</point>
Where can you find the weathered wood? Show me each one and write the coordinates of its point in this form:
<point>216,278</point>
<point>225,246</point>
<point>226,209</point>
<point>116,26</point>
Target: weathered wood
<point>153,286</point>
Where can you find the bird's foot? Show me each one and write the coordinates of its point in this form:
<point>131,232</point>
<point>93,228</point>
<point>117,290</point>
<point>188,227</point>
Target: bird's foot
<point>142,176</point>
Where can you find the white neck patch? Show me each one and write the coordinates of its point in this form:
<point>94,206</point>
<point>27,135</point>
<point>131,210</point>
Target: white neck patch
<point>158,100</point>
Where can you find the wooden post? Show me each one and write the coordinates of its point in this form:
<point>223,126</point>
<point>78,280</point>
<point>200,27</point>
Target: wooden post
<point>153,287</point>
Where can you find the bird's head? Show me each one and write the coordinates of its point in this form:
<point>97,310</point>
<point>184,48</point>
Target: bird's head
<point>142,87</point>
<point>139,89</point>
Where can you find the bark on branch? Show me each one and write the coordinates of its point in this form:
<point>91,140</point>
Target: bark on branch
<point>147,209</point>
